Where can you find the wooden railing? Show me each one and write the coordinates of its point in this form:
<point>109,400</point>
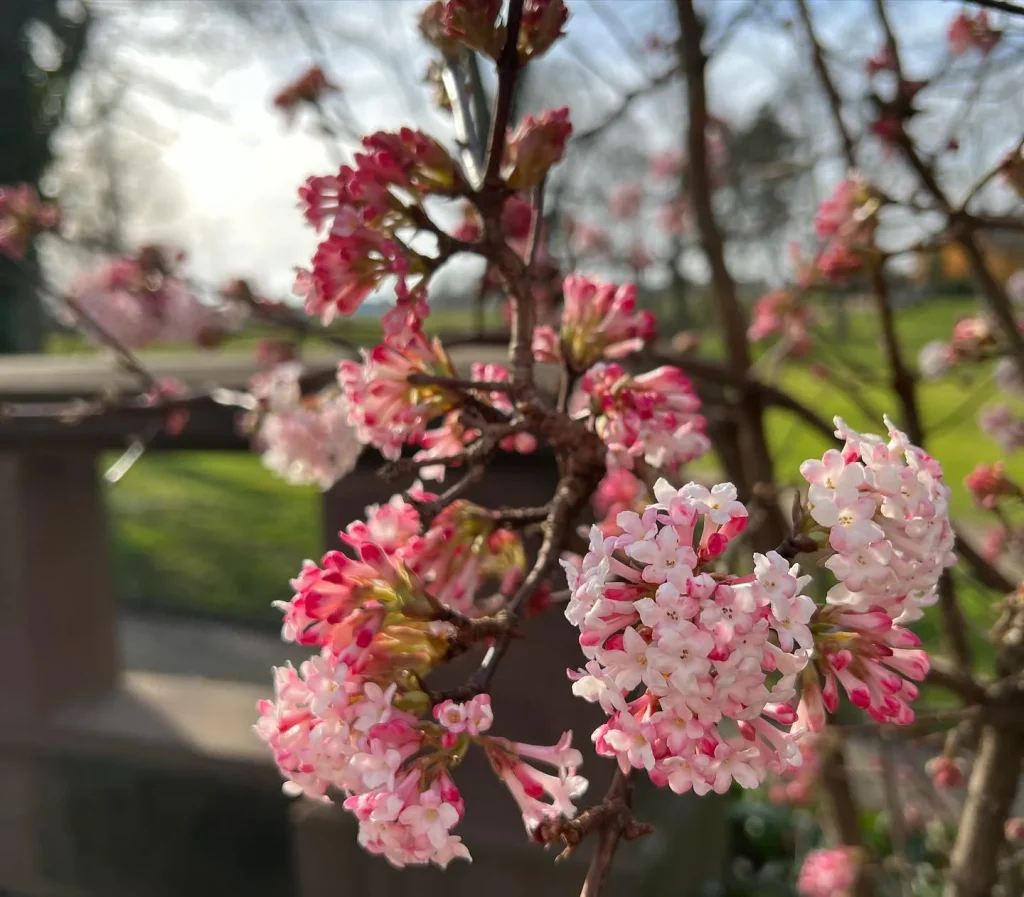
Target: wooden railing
<point>67,696</point>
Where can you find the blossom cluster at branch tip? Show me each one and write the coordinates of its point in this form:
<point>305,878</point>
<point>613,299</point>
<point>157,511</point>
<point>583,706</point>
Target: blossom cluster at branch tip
<point>599,320</point>
<point>23,215</point>
<point>365,210</point>
<point>693,670</point>
<point>972,31</point>
<point>846,221</point>
<point>308,88</point>
<point>885,509</point>
<point>386,410</point>
<point>543,23</point>
<point>537,143</point>
<point>832,872</point>
<point>354,718</point>
<point>781,311</point>
<point>141,299</point>
<point>988,484</point>
<point>306,440</point>
<point>654,416</point>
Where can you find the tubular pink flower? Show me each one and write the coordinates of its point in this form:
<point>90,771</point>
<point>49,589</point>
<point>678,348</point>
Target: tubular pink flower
<point>653,415</point>
<point>386,410</point>
<point>599,320</point>
<point>537,144</point>
<point>673,653</point>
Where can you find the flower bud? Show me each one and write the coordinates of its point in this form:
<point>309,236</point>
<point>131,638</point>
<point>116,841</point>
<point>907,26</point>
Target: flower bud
<point>543,23</point>
<point>536,145</point>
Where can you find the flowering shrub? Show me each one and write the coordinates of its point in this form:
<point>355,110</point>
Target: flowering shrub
<point>718,638</point>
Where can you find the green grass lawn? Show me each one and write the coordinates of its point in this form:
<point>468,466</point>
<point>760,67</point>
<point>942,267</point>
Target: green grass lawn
<point>216,533</point>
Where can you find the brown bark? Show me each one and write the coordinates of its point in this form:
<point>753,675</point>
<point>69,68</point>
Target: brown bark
<point>840,815</point>
<point>750,407</point>
<point>990,794</point>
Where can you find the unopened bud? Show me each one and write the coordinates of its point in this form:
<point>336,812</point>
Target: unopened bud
<point>536,145</point>
<point>475,24</point>
<point>543,23</point>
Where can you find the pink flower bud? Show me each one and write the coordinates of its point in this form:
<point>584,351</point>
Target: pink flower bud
<point>536,144</point>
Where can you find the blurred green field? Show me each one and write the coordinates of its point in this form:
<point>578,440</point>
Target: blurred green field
<point>217,534</point>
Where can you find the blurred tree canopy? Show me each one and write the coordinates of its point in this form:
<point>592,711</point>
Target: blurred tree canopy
<point>42,43</point>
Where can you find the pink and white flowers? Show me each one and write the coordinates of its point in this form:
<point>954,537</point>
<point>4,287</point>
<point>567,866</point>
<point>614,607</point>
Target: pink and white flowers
<point>653,416</point>
<point>693,670</point>
<point>306,440</point>
<point>599,320</point>
<point>140,300</point>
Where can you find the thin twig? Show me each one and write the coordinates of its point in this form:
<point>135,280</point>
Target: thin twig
<point>508,77</point>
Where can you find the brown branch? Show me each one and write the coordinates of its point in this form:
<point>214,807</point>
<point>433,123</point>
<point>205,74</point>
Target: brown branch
<point>841,816</point>
<point>953,678</point>
<point>754,443</point>
<point>612,819</point>
<point>508,77</point>
<point>963,225</point>
<point>987,574</point>
<point>587,135</point>
<point>835,103</point>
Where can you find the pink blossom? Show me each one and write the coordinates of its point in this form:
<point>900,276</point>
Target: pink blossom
<point>1014,829</point>
<point>829,873</point>
<point>309,88</point>
<point>22,216</point>
<point>385,409</point>
<point>886,509</point>
<point>473,23</point>
<point>780,311</point>
<point>667,164</point>
<point>537,143</point>
<point>673,652</point>
<point>540,795</point>
<point>945,771</point>
<point>599,320</point>
<point>653,415</point>
<point>1003,425</point>
<point>987,483</point>
<point>543,23</point>
<point>140,300</point>
<point>968,31</point>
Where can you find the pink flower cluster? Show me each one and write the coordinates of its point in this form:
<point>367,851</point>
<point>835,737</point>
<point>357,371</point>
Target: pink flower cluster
<point>308,88</point>
<point>352,719</point>
<point>968,31</point>
<point>988,484</point>
<point>22,216</point>
<point>363,208</point>
<point>681,659</point>
<point>618,491</point>
<point>780,311</point>
<point>386,410</point>
<point>306,440</point>
<point>537,143</point>
<point>653,416</point>
<point>140,301</point>
<point>599,320</point>
<point>885,508</point>
<point>453,559</point>
<point>846,222</point>
<point>829,873</point>
<point>1004,425</point>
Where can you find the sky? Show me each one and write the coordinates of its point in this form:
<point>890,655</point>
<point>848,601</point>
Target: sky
<point>228,166</point>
